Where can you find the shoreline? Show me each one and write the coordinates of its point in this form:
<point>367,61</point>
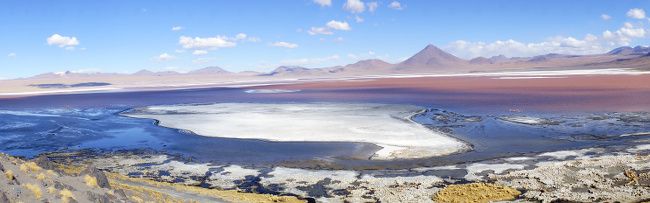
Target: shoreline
<point>424,184</point>
<point>385,153</point>
<point>504,75</point>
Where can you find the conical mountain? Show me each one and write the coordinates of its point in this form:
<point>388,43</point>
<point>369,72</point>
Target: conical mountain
<point>432,57</point>
<point>209,70</point>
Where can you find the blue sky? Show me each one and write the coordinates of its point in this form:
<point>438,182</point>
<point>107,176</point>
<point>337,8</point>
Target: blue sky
<point>126,36</point>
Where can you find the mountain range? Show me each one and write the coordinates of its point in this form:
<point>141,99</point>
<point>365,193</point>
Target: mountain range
<point>431,59</point>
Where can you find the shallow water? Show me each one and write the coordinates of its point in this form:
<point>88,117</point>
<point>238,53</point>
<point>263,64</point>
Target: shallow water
<point>33,125</point>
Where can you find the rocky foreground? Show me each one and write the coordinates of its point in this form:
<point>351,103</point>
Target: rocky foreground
<point>586,175</point>
<point>41,180</point>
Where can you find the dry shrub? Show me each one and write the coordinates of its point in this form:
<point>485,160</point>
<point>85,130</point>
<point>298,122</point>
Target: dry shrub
<point>51,190</point>
<point>10,175</point>
<point>137,199</point>
<point>35,190</point>
<point>66,195</point>
<point>40,177</point>
<point>90,181</point>
<point>51,173</point>
<point>476,192</point>
<point>29,167</point>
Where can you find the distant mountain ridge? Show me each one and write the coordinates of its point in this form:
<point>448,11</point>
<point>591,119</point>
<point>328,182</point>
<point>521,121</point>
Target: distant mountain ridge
<point>626,50</point>
<point>430,59</point>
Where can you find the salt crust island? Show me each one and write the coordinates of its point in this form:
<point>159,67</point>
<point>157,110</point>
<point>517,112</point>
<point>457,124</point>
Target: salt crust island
<point>388,126</point>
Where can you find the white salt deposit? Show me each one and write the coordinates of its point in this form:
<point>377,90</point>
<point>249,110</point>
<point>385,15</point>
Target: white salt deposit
<point>388,126</point>
<point>25,113</point>
<point>60,91</point>
<point>16,125</point>
<point>525,120</point>
<point>226,179</point>
<point>525,77</point>
<point>474,169</point>
<point>519,158</point>
<point>567,153</point>
<point>389,189</point>
<point>269,91</point>
<point>639,148</point>
<point>635,134</point>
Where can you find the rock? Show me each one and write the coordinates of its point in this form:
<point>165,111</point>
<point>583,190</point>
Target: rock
<point>3,198</point>
<point>632,176</point>
<point>45,163</point>
<point>102,181</point>
<point>120,194</point>
<point>98,198</point>
<point>60,186</point>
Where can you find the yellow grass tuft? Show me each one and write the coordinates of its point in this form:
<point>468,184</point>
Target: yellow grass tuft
<point>66,195</point>
<point>90,181</point>
<point>69,169</point>
<point>51,173</point>
<point>40,177</point>
<point>476,192</point>
<point>10,175</point>
<point>29,167</point>
<point>137,199</point>
<point>51,190</point>
<point>139,191</point>
<point>36,190</point>
<point>228,195</point>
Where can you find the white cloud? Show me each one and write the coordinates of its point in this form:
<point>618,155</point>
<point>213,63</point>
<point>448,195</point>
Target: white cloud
<point>323,3</point>
<point>362,55</point>
<point>253,39</point>
<point>395,5</point>
<point>245,37</point>
<point>372,6</point>
<point>206,43</point>
<point>62,41</point>
<point>354,6</point>
<point>219,41</point>
<point>630,30</point>
<point>241,36</point>
<point>177,28</point>
<point>590,44</point>
<point>11,55</point>
<point>284,44</point>
<point>329,26</point>
<point>605,17</point>
<point>319,31</point>
<point>200,52</point>
<point>358,19</point>
<point>202,60</point>
<point>608,34</point>
<point>165,57</point>
<point>309,61</point>
<point>624,35</point>
<point>636,13</point>
<point>338,25</point>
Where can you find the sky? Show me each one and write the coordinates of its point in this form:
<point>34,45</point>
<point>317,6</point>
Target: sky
<point>125,36</point>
